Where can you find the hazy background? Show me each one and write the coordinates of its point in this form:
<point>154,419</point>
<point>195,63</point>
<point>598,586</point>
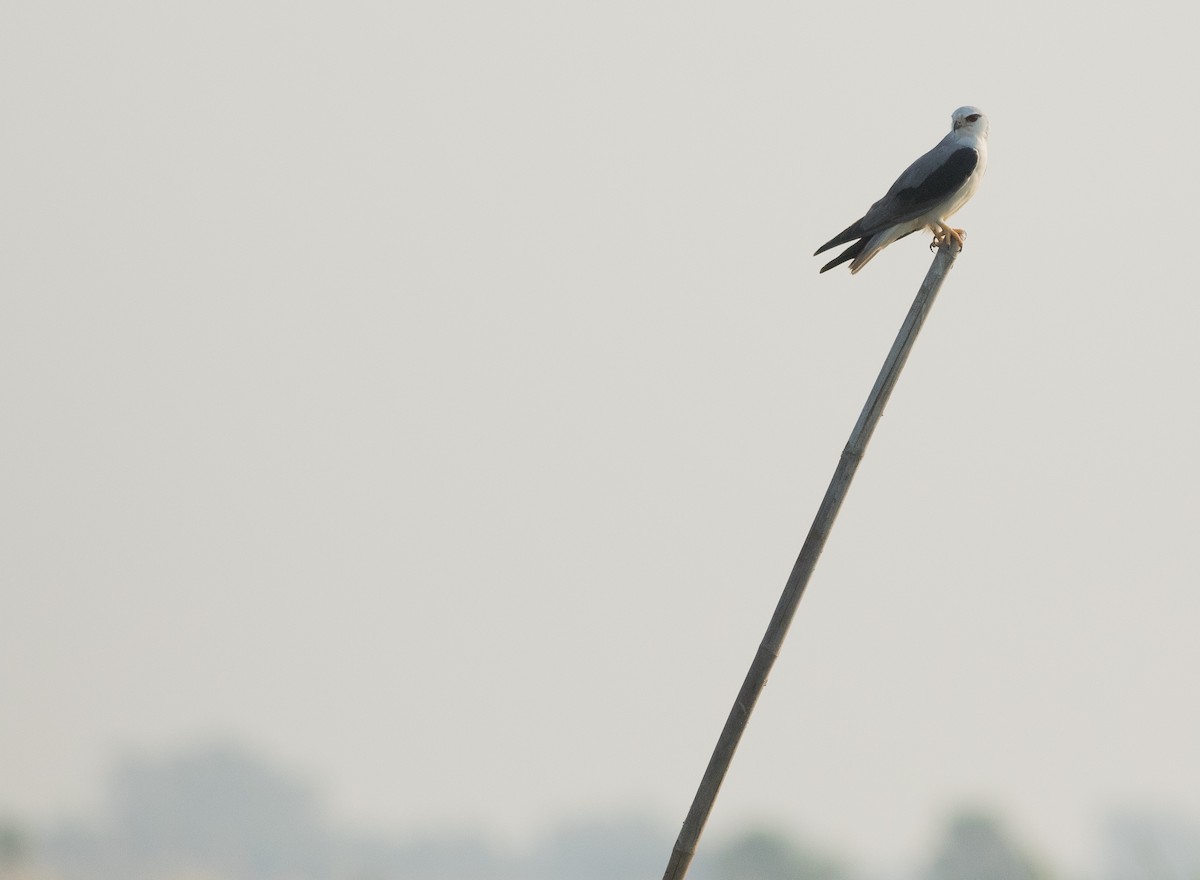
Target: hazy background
<point>434,397</point>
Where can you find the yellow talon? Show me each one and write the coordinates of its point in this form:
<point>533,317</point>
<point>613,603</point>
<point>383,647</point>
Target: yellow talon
<point>946,233</point>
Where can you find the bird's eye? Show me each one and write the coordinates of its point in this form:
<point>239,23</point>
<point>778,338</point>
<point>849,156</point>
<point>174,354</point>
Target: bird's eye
<point>974,117</point>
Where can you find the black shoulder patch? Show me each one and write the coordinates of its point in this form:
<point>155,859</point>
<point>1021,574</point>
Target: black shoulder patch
<point>943,181</point>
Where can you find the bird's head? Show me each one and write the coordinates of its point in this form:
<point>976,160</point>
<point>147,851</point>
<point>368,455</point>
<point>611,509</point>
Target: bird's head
<point>970,119</point>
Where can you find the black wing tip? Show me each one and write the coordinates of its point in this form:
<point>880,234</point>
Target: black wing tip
<point>845,256</point>
<point>851,232</point>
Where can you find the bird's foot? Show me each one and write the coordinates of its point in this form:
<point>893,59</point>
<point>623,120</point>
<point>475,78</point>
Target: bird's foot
<point>946,234</point>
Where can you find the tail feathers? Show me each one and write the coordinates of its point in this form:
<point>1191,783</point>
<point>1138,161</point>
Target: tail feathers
<point>864,250</point>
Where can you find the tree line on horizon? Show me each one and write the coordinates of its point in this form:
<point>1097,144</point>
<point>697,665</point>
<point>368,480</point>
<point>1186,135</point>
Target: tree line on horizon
<point>221,813</point>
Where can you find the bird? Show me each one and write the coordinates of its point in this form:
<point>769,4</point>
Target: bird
<point>924,196</point>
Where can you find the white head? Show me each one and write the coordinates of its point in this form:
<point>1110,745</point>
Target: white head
<point>969,120</point>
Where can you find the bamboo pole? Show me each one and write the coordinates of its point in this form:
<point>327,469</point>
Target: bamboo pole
<point>768,649</point>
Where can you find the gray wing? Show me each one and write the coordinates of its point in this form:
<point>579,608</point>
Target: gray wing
<point>924,185</point>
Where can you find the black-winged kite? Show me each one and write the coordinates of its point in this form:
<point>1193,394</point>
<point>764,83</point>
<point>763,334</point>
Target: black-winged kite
<point>925,195</point>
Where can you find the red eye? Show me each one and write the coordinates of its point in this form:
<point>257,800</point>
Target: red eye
<point>974,117</point>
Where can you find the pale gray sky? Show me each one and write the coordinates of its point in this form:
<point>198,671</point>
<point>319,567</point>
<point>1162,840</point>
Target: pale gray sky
<point>436,396</point>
